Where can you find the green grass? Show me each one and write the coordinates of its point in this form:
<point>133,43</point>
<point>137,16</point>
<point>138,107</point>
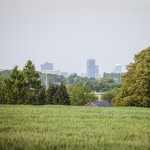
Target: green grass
<point>70,127</point>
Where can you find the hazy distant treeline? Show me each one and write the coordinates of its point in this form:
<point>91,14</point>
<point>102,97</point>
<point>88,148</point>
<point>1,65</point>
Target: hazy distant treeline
<point>108,82</point>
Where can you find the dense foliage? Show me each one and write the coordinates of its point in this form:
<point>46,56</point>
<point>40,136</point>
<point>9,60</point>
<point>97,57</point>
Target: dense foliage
<point>16,87</point>
<point>24,87</point>
<point>2,89</point>
<point>27,86</point>
<point>108,82</point>
<point>57,94</point>
<point>105,84</point>
<point>110,95</point>
<point>135,90</point>
<point>80,94</point>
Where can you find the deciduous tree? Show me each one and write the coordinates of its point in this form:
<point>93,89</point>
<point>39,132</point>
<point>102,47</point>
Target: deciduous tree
<point>135,90</point>
<point>80,94</point>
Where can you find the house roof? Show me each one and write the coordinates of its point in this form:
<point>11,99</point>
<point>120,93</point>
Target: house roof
<point>100,103</point>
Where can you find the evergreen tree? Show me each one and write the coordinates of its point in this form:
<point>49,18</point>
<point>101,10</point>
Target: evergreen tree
<point>32,97</point>
<point>41,97</point>
<point>50,94</point>
<point>32,75</point>
<point>135,90</point>
<point>56,96</point>
<point>34,82</point>
<point>16,87</point>
<point>22,87</point>
<point>2,90</point>
<point>62,96</point>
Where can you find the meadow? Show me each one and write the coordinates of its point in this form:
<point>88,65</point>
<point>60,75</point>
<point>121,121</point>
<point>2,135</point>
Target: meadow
<point>72,127</point>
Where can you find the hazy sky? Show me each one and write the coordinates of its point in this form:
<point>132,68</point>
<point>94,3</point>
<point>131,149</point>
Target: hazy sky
<point>68,32</point>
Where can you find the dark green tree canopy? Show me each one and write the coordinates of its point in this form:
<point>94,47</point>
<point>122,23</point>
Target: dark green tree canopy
<point>24,87</point>
<point>33,77</point>
<point>135,90</point>
<point>16,86</point>
<point>57,94</point>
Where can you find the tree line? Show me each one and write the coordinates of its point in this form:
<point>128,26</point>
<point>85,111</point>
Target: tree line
<point>108,82</point>
<point>25,87</point>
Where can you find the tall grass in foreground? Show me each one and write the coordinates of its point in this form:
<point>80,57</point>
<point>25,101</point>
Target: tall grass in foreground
<point>68,127</point>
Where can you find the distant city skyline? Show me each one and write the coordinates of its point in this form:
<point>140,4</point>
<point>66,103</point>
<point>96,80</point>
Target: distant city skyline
<point>68,32</point>
<point>49,68</point>
<point>92,69</point>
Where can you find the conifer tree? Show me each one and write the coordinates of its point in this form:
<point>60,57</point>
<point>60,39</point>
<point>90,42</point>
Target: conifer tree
<point>33,81</point>
<point>50,94</point>
<point>56,97</point>
<point>41,97</point>
<point>2,90</point>
<point>32,75</point>
<point>57,94</point>
<point>62,94</point>
<point>16,87</point>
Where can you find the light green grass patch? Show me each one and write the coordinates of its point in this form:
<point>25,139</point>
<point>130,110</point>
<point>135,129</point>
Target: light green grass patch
<point>74,127</point>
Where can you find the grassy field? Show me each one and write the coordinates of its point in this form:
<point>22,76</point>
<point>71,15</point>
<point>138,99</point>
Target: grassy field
<point>68,127</point>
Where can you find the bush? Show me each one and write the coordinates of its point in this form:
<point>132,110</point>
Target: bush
<point>108,96</point>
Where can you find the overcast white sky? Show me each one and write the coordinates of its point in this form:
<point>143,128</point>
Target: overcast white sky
<point>68,32</point>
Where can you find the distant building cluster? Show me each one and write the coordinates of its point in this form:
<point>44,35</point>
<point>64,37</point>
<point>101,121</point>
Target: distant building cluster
<point>48,68</point>
<point>92,68</point>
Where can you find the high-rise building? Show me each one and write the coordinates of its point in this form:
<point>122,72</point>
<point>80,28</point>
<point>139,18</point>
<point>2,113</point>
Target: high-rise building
<point>96,71</point>
<point>92,68</point>
<point>46,67</point>
<point>118,68</point>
